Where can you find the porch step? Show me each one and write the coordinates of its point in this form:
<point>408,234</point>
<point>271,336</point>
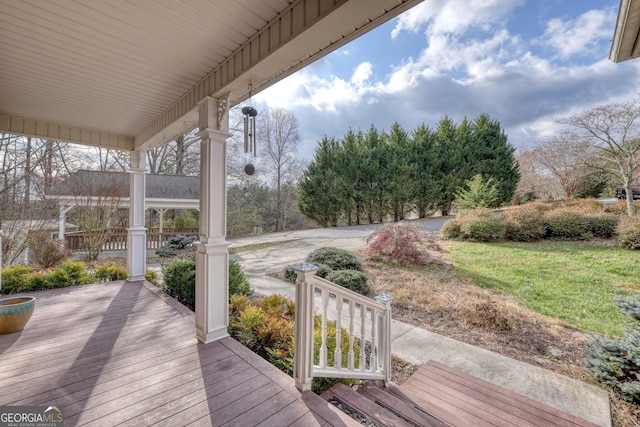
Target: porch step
<point>363,410</point>
<point>393,400</point>
<point>438,395</point>
<point>467,396</point>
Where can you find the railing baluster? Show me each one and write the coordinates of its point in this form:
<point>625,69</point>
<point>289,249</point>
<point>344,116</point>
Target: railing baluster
<point>350,357</point>
<point>363,341</point>
<point>323,345</point>
<point>374,342</point>
<point>337,354</point>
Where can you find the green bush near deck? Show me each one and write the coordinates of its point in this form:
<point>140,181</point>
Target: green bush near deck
<point>180,280</point>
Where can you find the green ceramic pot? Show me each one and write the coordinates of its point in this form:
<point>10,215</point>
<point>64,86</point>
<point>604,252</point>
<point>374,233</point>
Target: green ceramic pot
<point>15,313</point>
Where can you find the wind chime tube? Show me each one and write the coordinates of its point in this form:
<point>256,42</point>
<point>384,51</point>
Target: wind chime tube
<point>253,135</point>
<point>246,133</point>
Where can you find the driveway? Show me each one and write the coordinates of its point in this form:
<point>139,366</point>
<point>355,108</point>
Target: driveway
<point>297,245</point>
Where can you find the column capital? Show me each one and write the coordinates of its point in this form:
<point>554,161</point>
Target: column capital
<point>138,161</point>
<point>214,113</point>
<point>213,135</point>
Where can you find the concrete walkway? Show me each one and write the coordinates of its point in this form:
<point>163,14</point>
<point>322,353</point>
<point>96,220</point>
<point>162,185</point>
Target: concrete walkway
<point>417,345</point>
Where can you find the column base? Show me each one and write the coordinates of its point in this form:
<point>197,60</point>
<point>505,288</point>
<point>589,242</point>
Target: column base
<point>136,254</point>
<point>212,291</point>
<point>214,335</point>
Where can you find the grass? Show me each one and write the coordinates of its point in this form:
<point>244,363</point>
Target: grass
<point>256,246</point>
<point>573,282</point>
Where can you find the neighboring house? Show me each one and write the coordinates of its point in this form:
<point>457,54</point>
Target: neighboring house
<point>162,192</point>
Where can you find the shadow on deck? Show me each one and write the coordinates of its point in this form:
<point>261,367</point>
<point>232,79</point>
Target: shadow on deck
<point>126,354</point>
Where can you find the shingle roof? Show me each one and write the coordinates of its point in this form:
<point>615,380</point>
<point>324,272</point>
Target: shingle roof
<point>100,183</point>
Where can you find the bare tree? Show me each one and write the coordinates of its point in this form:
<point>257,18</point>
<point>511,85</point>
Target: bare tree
<point>614,131</point>
<point>28,167</point>
<point>568,157</point>
<point>97,200</point>
<point>178,157</point>
<point>109,159</point>
<point>278,133</point>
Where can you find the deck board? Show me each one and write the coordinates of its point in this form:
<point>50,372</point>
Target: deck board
<point>436,385</point>
<point>126,354</point>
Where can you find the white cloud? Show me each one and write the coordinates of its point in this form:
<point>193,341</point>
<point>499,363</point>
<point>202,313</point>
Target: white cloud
<point>580,35</point>
<point>362,73</point>
<point>454,17</point>
<point>465,73</point>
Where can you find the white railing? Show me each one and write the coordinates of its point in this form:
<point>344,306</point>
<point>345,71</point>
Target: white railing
<point>361,324</point>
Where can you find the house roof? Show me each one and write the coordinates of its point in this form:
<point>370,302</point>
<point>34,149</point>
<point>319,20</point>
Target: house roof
<point>85,183</point>
<point>129,74</point>
<point>625,44</point>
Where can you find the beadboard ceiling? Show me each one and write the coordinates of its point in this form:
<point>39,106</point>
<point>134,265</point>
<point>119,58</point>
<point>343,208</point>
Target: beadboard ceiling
<point>122,73</point>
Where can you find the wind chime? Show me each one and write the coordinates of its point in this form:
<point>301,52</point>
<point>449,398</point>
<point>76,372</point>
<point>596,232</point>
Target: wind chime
<point>250,114</point>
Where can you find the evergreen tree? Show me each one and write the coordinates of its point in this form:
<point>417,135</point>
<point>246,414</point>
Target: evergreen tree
<point>351,173</point>
<point>492,155</point>
<point>321,195</point>
<point>477,192</point>
<point>399,171</point>
<point>373,166</point>
<point>447,156</point>
<point>424,167</point>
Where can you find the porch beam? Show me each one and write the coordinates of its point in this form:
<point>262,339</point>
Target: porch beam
<point>280,50</point>
<point>46,130</point>
<point>212,256</point>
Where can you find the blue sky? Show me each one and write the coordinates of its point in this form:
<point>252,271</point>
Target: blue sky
<point>524,62</point>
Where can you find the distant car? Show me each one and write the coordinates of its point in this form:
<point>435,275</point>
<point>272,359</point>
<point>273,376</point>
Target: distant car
<point>621,193</point>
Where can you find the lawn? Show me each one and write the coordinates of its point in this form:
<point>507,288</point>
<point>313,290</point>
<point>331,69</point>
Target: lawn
<point>573,282</point>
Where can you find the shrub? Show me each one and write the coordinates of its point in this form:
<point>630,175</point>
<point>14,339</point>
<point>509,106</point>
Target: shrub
<point>152,277</point>
<point>69,273</point>
<point>278,305</point>
<point>39,281</point>
<point>350,279</point>
<point>16,279</point>
<point>180,281</point>
<point>524,224</point>
<point>481,224</point>
<point>566,223</point>
<point>616,362</point>
<point>177,245</point>
<point>336,259</point>
<point>110,271</point>
<point>477,192</point>
<point>238,282</point>
<point>451,230</point>
<point>396,242</point>
<point>620,207</point>
<point>267,328</point>
<point>290,274</point>
<point>628,232</point>
<point>46,252</point>
<point>585,206</point>
<point>602,225</point>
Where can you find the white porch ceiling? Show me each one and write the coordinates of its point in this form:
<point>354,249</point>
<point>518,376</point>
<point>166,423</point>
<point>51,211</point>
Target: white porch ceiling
<point>129,74</point>
<point>626,38</point>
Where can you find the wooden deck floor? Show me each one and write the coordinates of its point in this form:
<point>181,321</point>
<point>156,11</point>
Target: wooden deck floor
<point>125,354</point>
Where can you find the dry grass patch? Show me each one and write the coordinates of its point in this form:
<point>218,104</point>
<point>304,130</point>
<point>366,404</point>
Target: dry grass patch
<point>438,299</point>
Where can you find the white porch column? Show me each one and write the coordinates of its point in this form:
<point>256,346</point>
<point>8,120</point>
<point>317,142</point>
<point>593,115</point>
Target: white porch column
<point>137,234</point>
<point>62,224</point>
<point>212,257</point>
